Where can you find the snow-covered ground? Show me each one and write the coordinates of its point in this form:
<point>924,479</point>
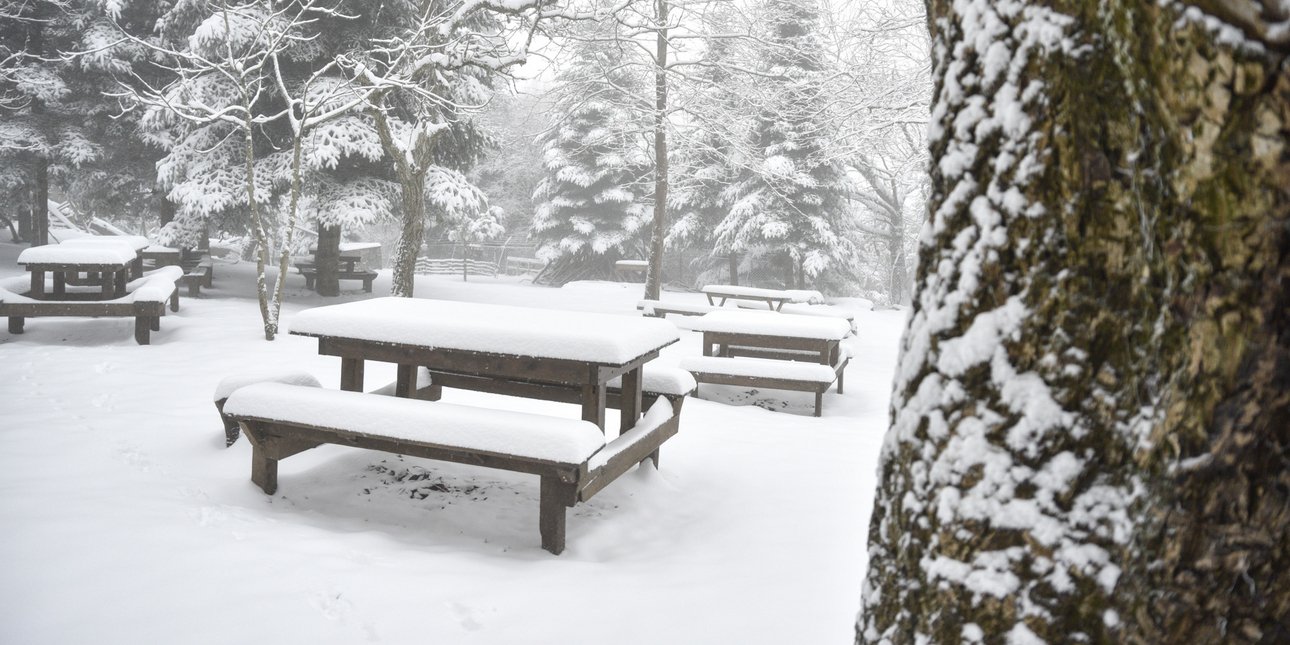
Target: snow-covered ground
<point>125,519</point>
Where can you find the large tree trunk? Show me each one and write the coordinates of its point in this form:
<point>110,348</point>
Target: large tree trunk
<point>1091,415</point>
<point>327,261</point>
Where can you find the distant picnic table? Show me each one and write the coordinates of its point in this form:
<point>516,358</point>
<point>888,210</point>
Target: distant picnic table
<point>91,277</point>
<point>771,350</point>
<point>774,298</point>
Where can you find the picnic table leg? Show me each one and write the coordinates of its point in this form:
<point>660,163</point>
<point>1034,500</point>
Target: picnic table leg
<point>819,401</point>
<point>120,282</point>
<point>351,374</point>
<point>37,284</point>
<point>707,345</point>
<point>405,384</point>
<point>60,284</point>
<point>630,400</point>
<point>142,327</point>
<point>593,403</point>
<point>15,324</point>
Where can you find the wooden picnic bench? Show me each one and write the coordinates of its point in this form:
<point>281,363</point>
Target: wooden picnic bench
<point>570,456</point>
<point>145,301</point>
<point>659,309</point>
<point>771,350</point>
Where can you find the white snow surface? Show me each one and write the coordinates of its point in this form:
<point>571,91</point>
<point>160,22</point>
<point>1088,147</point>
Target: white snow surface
<point>65,254</point>
<point>134,242</point>
<point>498,329</point>
<point>506,432</point>
<point>772,323</point>
<point>127,521</point>
<point>661,380</point>
<point>229,384</point>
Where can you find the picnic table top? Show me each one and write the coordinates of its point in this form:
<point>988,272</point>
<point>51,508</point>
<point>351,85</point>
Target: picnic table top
<point>106,255</point>
<point>770,323</point>
<point>496,329</point>
<point>786,295</point>
<point>135,242</point>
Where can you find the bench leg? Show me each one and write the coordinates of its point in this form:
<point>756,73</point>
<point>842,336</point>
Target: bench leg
<point>555,497</point>
<point>840,375</point>
<point>142,326</point>
<point>15,324</point>
<point>174,301</point>
<point>367,285</point>
<point>232,428</point>
<point>194,287</point>
<point>264,471</point>
<point>819,402</point>
<point>653,457</point>
<point>156,322</point>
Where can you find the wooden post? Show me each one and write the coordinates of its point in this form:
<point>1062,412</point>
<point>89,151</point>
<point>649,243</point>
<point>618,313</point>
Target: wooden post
<point>15,324</point>
<point>142,327</point>
<point>551,514</point>
<point>593,401</point>
<point>351,374</point>
<point>37,284</point>
<point>264,471</point>
<point>630,400</point>
<point>405,385</point>
<point>60,284</point>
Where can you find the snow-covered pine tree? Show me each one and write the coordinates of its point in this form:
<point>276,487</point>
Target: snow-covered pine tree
<point>1090,415</point>
<point>788,206</point>
<point>706,152</point>
<point>57,58</point>
<point>591,204</point>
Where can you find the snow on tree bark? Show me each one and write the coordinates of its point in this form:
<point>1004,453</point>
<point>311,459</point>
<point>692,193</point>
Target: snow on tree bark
<point>1091,411</point>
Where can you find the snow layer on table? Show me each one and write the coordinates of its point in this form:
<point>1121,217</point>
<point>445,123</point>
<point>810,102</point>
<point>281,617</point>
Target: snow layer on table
<point>760,367</point>
<point>637,264</point>
<point>290,377</point>
<point>171,273</point>
<point>661,380</point>
<point>647,306</point>
<point>771,323</point>
<point>135,242</point>
<point>500,329</point>
<point>733,290</point>
<point>657,415</point>
<point>70,254</point>
<point>359,246</point>
<point>157,248</point>
<point>810,296</point>
<point>498,431</point>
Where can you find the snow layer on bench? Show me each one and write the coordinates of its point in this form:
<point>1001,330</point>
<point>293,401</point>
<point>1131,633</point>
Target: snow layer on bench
<point>499,329</point>
<point>648,307</point>
<point>770,323</point>
<point>760,368</point>
<point>657,415</point>
<point>805,296</point>
<point>505,432</point>
<point>67,254</point>
<point>134,242</point>
<point>661,380</point>
<point>424,379</point>
<point>291,377</point>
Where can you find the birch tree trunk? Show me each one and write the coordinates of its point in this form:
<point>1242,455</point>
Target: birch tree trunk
<point>1091,413</point>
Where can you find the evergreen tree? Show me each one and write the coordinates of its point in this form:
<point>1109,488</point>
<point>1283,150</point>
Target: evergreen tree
<point>788,206</point>
<point>591,209</point>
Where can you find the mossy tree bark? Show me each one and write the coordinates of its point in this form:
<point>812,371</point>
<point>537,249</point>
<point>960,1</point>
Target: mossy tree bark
<point>1091,414</point>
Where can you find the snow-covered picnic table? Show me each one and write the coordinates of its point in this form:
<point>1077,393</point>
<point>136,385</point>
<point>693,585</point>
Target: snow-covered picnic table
<point>774,298</point>
<point>106,266</point>
<point>761,335</point>
<point>513,350</point>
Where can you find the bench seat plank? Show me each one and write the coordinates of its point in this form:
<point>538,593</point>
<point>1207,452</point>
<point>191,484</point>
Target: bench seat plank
<point>498,431</point>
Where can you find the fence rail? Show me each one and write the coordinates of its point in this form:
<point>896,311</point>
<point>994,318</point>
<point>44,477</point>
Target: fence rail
<point>455,266</point>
